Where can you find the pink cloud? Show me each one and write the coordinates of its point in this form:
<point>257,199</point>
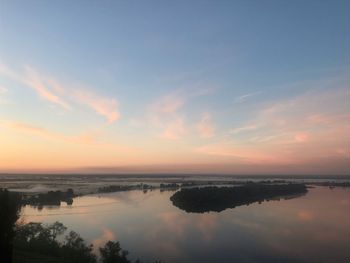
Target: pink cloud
<point>168,104</point>
<point>164,114</point>
<point>167,114</point>
<point>244,128</point>
<point>106,107</point>
<point>301,137</point>
<point>205,127</point>
<point>244,154</point>
<point>42,87</point>
<point>85,138</point>
<point>174,129</point>
<point>301,129</point>
<point>51,90</point>
<point>37,82</point>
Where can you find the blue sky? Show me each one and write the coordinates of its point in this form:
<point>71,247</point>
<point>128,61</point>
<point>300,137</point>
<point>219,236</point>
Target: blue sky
<point>137,73</point>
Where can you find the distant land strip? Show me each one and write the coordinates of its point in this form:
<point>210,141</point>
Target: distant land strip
<point>213,198</point>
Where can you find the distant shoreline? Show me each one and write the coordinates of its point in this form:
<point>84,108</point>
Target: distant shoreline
<point>177,175</point>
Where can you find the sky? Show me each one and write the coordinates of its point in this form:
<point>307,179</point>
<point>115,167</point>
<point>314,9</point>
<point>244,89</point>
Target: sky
<point>220,87</point>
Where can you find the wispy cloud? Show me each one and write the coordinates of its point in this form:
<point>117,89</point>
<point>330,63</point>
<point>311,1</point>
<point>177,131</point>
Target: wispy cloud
<point>107,107</point>
<point>205,127</point>
<point>244,97</point>
<point>242,153</point>
<point>167,113</point>
<point>164,114</point>
<point>65,95</point>
<point>36,81</point>
<point>297,130</point>
<point>22,127</point>
<point>168,104</point>
<point>42,86</point>
<point>301,137</point>
<point>251,127</point>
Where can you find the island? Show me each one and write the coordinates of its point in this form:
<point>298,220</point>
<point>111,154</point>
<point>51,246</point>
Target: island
<point>51,198</point>
<point>213,198</point>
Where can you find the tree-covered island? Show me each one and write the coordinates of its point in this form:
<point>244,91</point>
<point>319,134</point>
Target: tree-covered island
<point>213,198</point>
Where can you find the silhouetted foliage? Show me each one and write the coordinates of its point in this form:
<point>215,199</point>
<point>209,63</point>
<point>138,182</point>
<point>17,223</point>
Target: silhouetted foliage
<point>112,253</point>
<point>205,199</point>
<point>120,188</point>
<point>53,198</point>
<point>37,242</point>
<point>333,184</point>
<point>114,188</point>
<point>75,249</point>
<point>39,239</point>
<point>10,204</point>
<point>171,185</point>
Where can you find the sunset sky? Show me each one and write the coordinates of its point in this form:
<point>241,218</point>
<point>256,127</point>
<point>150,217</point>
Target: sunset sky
<point>237,87</point>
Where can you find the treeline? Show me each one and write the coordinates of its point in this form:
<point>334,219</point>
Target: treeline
<point>53,198</point>
<point>120,188</point>
<point>36,242</point>
<point>332,184</point>
<point>213,198</point>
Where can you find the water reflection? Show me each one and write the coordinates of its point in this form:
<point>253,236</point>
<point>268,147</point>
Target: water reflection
<point>311,228</point>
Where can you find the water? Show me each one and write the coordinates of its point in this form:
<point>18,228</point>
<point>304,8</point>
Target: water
<point>311,228</point>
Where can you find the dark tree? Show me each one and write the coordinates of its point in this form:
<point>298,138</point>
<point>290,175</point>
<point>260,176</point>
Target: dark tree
<point>76,250</point>
<point>10,204</point>
<point>112,253</point>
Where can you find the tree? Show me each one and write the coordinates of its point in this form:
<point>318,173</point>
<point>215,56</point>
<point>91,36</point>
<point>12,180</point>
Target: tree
<point>10,204</point>
<point>112,253</point>
<point>75,249</point>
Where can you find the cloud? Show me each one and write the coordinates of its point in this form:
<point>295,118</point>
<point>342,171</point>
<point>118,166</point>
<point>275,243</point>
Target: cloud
<point>167,114</point>
<point>243,129</point>
<point>205,127</point>
<point>164,114</point>
<point>42,86</point>
<point>242,154</point>
<point>168,104</point>
<point>301,137</point>
<point>107,107</point>
<point>36,81</point>
<point>65,95</point>
<point>85,138</point>
<point>300,130</point>
<point>244,97</point>
<point>174,129</point>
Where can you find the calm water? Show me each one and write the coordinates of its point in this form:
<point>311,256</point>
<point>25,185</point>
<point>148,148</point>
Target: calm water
<point>311,228</point>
